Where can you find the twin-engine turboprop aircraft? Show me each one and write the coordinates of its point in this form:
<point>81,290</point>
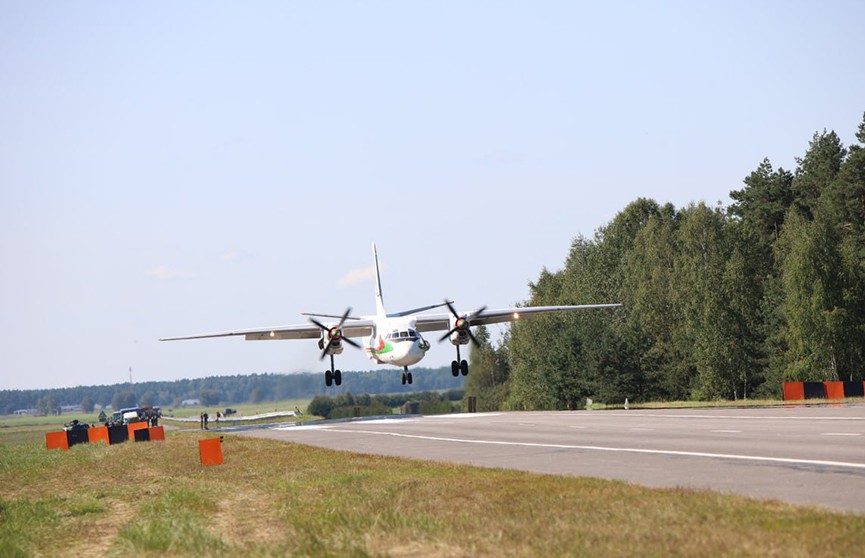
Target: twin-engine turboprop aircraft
<point>392,338</point>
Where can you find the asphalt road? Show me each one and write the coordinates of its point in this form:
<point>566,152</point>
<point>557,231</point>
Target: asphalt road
<point>804,455</point>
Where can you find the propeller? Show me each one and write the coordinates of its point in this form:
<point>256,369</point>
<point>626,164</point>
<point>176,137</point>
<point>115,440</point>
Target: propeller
<point>334,333</point>
<point>463,324</point>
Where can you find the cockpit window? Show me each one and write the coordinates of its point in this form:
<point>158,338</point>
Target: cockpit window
<point>404,335</point>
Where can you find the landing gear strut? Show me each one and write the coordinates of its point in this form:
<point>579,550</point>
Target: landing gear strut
<point>459,366</point>
<point>406,376</point>
<point>332,376</point>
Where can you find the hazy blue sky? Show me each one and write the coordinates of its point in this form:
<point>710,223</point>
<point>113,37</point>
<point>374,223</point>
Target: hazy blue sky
<point>176,168</point>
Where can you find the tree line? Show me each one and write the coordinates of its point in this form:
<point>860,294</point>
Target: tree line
<point>718,302</point>
<point>345,405</point>
<point>214,390</point>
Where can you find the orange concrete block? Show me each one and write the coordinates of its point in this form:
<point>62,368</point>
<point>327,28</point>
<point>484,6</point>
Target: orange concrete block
<point>794,391</point>
<point>834,390</point>
<point>210,451</point>
<point>98,434</point>
<point>57,440</point>
<point>133,427</point>
<point>156,433</point>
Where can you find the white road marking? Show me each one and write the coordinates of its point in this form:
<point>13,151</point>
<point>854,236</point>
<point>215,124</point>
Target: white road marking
<point>307,427</point>
<point>638,429</point>
<point>632,414</point>
<point>726,431</point>
<point>784,460</point>
<point>840,434</point>
<point>580,427</point>
<point>460,416</point>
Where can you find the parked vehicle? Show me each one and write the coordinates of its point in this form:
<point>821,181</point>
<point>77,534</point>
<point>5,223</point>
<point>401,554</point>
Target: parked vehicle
<point>75,425</point>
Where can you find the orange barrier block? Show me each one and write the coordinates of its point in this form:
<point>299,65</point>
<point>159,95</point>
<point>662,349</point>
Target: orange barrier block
<point>210,451</point>
<point>98,434</point>
<point>834,390</point>
<point>794,391</point>
<point>133,427</point>
<point>57,440</point>
<point>156,433</point>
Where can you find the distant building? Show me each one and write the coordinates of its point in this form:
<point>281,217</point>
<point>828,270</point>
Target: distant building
<point>25,412</point>
<point>190,403</point>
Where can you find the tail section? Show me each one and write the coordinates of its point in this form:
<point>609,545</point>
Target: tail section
<point>379,303</point>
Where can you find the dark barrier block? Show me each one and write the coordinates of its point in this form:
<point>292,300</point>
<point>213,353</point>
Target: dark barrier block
<point>142,435</point>
<point>854,389</point>
<point>815,390</point>
<point>77,436</point>
<point>117,434</point>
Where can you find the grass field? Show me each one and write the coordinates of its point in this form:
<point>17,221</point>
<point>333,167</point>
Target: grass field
<point>277,499</point>
<point>243,409</point>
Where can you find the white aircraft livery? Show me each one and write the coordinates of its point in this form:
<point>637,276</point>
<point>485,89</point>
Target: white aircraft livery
<point>393,339</point>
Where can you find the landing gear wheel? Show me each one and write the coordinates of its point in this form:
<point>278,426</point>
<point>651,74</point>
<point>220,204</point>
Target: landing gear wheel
<point>464,368</point>
<point>408,377</point>
<point>403,378</point>
<point>337,377</point>
<point>455,368</point>
<point>328,378</point>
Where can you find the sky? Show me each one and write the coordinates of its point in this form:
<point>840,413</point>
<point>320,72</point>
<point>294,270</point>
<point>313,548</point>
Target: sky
<point>178,168</point>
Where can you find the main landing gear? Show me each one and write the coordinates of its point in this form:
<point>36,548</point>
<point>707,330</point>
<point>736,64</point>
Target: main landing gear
<point>330,344</point>
<point>406,376</point>
<point>459,366</point>
<point>333,376</point>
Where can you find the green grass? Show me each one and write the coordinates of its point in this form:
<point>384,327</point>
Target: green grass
<point>9,423</point>
<point>279,499</point>
<point>244,409</point>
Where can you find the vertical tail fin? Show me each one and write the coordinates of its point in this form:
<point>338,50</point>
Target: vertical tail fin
<point>379,303</point>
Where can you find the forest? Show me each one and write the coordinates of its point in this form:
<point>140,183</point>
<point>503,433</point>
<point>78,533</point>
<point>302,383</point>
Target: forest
<point>719,303</point>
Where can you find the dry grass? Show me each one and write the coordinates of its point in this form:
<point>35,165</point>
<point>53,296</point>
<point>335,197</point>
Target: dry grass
<point>276,499</point>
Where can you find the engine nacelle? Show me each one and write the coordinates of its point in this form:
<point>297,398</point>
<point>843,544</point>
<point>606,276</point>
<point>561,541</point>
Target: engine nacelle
<point>332,339</point>
<point>459,330</point>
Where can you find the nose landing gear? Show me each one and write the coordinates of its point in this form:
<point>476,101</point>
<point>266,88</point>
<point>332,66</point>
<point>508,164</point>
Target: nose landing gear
<point>406,376</point>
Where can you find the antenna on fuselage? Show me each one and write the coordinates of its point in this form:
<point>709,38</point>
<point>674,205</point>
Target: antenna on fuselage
<point>379,303</point>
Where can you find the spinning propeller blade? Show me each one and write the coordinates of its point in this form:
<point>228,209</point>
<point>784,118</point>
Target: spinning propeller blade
<point>463,324</point>
<point>334,334</point>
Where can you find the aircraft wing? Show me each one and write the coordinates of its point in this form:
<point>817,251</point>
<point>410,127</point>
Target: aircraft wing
<point>441,322</point>
<point>356,328</point>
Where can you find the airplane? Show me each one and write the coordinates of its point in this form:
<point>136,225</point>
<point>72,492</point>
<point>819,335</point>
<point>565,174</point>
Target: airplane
<point>393,339</point>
